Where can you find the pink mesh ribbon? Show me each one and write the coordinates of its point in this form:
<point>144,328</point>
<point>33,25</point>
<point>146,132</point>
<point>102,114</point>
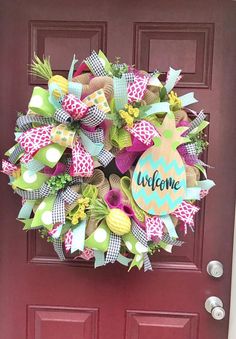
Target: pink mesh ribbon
<point>8,168</point>
<point>82,161</point>
<point>144,131</point>
<point>74,106</point>
<point>35,138</point>
<point>137,88</point>
<point>185,212</point>
<point>58,169</point>
<point>154,228</point>
<point>124,160</point>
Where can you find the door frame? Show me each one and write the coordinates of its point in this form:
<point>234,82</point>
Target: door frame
<point>232,318</point>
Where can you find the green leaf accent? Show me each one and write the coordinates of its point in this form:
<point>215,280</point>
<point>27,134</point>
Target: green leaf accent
<point>41,68</point>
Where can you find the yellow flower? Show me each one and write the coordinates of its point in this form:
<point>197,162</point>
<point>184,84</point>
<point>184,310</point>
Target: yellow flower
<point>174,101</point>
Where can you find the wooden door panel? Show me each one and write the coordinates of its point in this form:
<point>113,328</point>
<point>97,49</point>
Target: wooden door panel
<point>186,46</point>
<point>161,325</point>
<point>61,323</point>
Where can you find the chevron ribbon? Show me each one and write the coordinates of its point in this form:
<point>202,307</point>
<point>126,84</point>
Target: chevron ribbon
<point>147,263</point>
<point>15,154</point>
<point>113,248</point>
<point>95,65</point>
<point>25,122</point>
<point>57,245</point>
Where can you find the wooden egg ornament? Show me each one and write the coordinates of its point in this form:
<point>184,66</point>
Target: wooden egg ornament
<point>159,179</point>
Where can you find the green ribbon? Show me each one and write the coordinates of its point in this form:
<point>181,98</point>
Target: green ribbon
<point>120,137</point>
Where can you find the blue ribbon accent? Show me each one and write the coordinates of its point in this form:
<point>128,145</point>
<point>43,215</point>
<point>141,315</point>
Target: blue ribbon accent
<point>91,147</point>
<point>26,209</point>
<point>75,88</point>
<point>169,225</point>
<point>173,76</point>
<point>188,99</point>
<point>99,258</point>
<point>123,260</point>
<point>78,237</point>
<point>72,66</point>
<point>192,193</point>
<point>206,184</point>
<point>159,107</point>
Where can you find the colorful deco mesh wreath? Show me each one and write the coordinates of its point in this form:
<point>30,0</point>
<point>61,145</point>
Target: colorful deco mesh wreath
<point>105,113</point>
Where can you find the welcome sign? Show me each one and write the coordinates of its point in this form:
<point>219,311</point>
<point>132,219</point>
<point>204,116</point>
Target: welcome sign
<point>159,181</point>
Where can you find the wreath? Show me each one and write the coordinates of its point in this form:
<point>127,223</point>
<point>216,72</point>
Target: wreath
<point>108,162</point>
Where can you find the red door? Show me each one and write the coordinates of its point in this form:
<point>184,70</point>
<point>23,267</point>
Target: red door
<point>42,298</point>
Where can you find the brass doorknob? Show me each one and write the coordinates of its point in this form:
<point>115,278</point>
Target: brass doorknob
<point>215,307</point>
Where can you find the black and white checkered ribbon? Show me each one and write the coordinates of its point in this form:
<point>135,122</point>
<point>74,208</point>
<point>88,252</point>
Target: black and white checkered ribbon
<point>94,117</point>
<point>58,211</point>
<point>95,65</point>
<point>69,196</point>
<point>15,154</point>
<point>171,241</point>
<point>113,248</point>
<point>62,116</point>
<point>196,122</point>
<point>191,148</point>
<point>42,192</point>
<point>129,77</point>
<point>25,122</point>
<point>139,233</point>
<point>105,157</point>
<point>96,136</point>
<point>147,263</point>
<point>58,248</point>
